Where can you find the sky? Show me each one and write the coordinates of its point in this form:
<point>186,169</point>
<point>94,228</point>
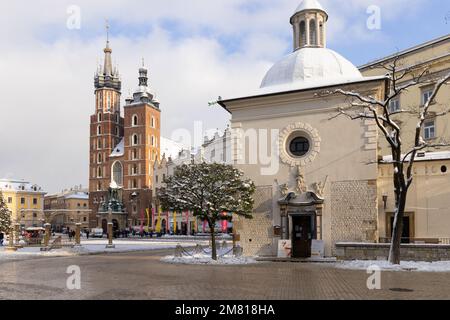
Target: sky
<point>195,51</point>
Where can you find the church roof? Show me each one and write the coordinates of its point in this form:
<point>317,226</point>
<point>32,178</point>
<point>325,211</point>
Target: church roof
<point>309,65</point>
<point>309,5</point>
<point>119,149</point>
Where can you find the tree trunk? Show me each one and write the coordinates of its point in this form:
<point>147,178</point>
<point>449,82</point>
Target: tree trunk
<point>397,229</point>
<point>213,242</point>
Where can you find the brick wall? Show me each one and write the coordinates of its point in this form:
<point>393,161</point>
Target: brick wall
<point>256,235</point>
<point>354,211</point>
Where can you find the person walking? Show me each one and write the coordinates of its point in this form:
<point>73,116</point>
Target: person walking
<point>2,236</point>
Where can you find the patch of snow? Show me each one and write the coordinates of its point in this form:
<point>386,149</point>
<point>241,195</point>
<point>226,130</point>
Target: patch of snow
<point>206,259</point>
<point>422,266</point>
<point>95,247</point>
<point>119,150</point>
<point>440,155</point>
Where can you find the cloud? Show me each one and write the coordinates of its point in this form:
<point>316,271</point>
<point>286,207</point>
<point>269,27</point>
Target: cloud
<point>196,50</point>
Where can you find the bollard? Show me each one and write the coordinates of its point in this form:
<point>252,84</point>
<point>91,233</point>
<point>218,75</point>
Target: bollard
<point>47,234</point>
<point>78,234</point>
<point>110,244</point>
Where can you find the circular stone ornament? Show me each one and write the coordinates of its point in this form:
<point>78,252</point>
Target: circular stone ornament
<point>294,131</point>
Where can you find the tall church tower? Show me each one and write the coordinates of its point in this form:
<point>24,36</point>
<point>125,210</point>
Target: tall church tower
<point>106,131</point>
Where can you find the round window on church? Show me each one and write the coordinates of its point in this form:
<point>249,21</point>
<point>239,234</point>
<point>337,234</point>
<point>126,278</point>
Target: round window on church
<point>299,146</point>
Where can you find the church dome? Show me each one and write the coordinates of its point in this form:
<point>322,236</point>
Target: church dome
<point>311,65</point>
<point>309,5</point>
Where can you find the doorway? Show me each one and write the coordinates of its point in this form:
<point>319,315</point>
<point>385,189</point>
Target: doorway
<point>406,232</point>
<point>302,236</point>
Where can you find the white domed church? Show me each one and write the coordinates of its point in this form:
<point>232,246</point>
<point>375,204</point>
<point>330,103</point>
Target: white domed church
<point>319,186</point>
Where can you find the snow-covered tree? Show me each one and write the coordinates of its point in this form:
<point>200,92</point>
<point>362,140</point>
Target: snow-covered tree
<point>5,216</point>
<point>361,106</point>
<point>208,190</point>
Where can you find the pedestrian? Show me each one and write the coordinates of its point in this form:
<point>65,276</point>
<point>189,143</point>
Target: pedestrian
<point>2,236</point>
<point>87,234</point>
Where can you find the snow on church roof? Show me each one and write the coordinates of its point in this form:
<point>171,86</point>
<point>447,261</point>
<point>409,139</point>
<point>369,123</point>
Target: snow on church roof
<point>309,5</point>
<point>119,149</point>
<point>309,65</point>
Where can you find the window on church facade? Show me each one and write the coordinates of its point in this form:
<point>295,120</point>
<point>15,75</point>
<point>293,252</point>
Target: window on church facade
<point>312,33</point>
<point>302,33</point>
<point>135,121</point>
<point>99,130</point>
<point>118,173</point>
<point>135,140</point>
<point>99,117</point>
<point>299,146</point>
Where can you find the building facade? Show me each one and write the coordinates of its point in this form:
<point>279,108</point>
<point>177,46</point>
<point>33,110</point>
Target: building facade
<point>428,206</point>
<point>122,148</point>
<point>318,186</point>
<point>25,201</point>
<point>66,209</point>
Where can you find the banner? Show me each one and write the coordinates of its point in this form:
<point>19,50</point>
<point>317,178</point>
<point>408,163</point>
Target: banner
<point>158,224</point>
<point>174,222</point>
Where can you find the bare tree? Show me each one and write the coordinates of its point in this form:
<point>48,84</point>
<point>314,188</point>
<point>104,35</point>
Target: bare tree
<point>362,106</point>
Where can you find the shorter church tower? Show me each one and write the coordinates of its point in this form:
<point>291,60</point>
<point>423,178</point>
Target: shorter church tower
<point>309,23</point>
<point>141,146</point>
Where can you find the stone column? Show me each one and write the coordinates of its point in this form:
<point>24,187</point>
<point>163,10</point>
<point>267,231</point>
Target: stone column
<point>47,236</point>
<point>17,235</point>
<point>11,246</point>
<point>308,40</point>
<point>318,38</point>
<point>78,234</point>
<point>110,244</point>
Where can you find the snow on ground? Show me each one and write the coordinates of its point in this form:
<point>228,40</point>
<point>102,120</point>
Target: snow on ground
<point>440,266</point>
<point>206,259</point>
<point>95,247</point>
<point>225,257</point>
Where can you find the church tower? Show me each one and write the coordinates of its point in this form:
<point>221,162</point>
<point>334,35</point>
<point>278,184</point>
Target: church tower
<point>106,130</point>
<point>309,23</point>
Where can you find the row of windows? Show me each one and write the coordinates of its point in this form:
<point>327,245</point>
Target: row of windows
<point>135,121</point>
<point>314,38</point>
<point>100,130</point>
<point>395,105</point>
<point>22,200</point>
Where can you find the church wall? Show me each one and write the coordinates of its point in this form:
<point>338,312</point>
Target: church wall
<point>345,162</point>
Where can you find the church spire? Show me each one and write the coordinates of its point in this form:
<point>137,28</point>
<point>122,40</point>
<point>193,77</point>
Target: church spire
<point>107,68</point>
<point>108,77</point>
<point>309,23</point>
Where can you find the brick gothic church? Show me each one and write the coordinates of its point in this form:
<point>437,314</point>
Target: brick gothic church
<point>122,148</point>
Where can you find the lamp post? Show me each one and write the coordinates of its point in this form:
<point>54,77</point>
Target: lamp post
<point>110,244</point>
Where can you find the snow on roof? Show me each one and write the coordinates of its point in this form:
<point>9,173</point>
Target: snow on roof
<point>302,86</point>
<point>119,149</point>
<point>424,156</point>
<point>309,5</point>
<point>309,65</point>
<point>19,186</point>
<point>171,148</point>
<point>78,195</point>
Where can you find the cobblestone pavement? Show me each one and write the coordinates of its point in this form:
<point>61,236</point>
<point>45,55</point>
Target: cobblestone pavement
<point>143,276</point>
